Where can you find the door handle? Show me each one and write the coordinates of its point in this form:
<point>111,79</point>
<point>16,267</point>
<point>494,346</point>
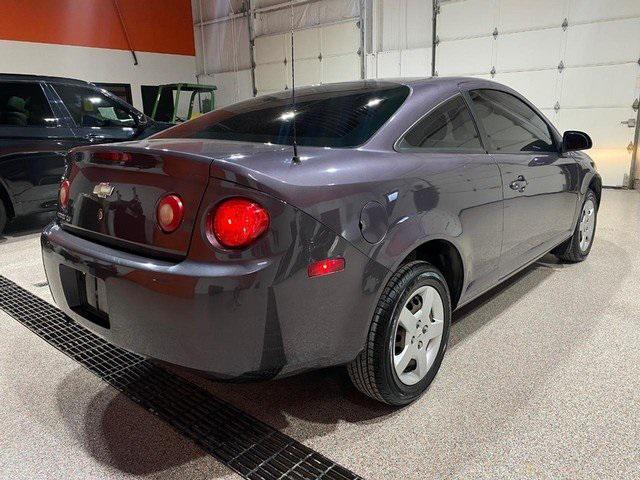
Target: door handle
<point>519,184</point>
<point>629,123</point>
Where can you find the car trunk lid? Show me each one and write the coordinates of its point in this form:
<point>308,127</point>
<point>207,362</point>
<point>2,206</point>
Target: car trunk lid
<point>115,191</point>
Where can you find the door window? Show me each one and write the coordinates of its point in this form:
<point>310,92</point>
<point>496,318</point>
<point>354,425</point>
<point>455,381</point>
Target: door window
<point>510,124</point>
<point>23,104</point>
<point>90,108</point>
<point>448,127</point>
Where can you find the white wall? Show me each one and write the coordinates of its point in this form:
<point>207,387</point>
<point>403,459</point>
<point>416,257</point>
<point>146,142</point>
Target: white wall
<point>96,65</point>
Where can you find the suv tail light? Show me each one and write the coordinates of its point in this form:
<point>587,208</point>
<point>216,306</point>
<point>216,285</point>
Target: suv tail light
<point>63,194</point>
<point>237,222</point>
<point>169,213</point>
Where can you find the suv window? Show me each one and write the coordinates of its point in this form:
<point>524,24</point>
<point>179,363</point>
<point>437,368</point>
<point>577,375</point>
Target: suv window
<point>448,127</point>
<point>510,124</point>
<point>90,108</point>
<point>340,115</point>
<point>23,104</point>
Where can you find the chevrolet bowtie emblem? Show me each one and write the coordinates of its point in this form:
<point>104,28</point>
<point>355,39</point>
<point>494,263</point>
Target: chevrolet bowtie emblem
<point>103,190</point>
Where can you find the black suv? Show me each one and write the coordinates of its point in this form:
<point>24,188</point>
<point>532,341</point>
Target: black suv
<point>41,118</point>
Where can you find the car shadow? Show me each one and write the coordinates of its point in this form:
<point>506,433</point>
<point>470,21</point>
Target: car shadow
<point>27,225</point>
<point>474,315</point>
<point>119,433</point>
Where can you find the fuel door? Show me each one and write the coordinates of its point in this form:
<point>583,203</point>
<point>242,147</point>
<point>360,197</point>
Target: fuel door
<point>374,222</point>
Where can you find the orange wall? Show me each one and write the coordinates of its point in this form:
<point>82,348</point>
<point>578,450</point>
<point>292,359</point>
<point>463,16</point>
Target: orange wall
<point>161,26</point>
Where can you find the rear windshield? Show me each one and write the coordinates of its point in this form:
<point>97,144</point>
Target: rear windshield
<point>337,116</point>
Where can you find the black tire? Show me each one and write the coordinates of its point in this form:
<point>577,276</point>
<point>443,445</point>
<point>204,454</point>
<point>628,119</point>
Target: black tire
<point>570,251</point>
<point>3,217</point>
<point>373,372</point>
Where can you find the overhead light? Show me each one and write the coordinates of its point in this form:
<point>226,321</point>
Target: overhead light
<point>374,102</point>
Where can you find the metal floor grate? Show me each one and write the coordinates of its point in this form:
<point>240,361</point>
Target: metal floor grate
<point>250,447</point>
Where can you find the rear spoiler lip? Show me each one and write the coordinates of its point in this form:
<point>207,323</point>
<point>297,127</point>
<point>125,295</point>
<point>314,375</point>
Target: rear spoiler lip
<point>218,167</point>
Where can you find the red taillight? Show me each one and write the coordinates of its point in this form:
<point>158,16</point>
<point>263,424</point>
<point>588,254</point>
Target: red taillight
<point>169,213</point>
<point>325,267</point>
<point>63,194</point>
<point>111,156</point>
<point>237,222</point>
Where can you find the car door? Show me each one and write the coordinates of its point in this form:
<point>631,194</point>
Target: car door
<point>33,143</point>
<point>464,185</point>
<point>97,117</point>
<point>539,183</point>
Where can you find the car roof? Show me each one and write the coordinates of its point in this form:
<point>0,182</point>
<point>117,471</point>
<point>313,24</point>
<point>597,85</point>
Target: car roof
<point>41,78</point>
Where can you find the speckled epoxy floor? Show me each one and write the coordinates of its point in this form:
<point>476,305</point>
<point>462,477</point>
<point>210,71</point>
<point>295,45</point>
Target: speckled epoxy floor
<point>542,380</point>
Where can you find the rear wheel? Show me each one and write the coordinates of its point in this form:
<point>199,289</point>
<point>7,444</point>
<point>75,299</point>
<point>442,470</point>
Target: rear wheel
<point>407,337</point>
<point>3,216</point>
<point>576,248</point>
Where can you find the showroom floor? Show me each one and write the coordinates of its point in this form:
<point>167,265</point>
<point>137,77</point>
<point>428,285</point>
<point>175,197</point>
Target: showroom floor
<point>542,380</point>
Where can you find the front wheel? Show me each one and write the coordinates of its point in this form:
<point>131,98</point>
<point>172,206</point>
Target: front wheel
<point>3,216</point>
<point>576,248</point>
<point>407,337</point>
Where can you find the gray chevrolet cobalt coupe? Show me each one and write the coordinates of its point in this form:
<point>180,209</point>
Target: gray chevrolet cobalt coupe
<point>213,246</point>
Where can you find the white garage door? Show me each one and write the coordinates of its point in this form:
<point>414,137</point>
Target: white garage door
<point>577,60</point>
<point>324,54</point>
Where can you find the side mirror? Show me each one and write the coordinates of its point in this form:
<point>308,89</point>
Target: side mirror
<point>141,121</point>
<point>573,140</point>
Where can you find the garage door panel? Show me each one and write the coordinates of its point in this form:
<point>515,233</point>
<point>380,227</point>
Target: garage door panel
<point>607,42</point>
<point>466,56</point>
<point>418,23</point>
<point>308,72</point>
<point>269,49</point>
<point>340,68</point>
<point>516,15</point>
<point>340,38</point>
<point>389,64</point>
<point>583,11</point>
<point>371,69</point>
<point>600,86</point>
<point>415,62</point>
<point>539,87</point>
<point>392,25</point>
<point>529,50</point>
<point>307,44</point>
<point>610,138</point>
<point>270,76</point>
<point>466,18</point>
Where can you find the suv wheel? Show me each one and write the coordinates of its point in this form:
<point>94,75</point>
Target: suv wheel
<point>579,245</point>
<point>407,337</point>
<point>3,217</point>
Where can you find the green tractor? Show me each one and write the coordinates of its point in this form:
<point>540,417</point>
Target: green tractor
<point>167,106</point>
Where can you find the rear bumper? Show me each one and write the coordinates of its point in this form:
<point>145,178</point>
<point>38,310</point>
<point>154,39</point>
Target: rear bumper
<point>232,319</point>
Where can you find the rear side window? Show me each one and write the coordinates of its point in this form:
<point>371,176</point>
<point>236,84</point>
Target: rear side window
<point>510,124</point>
<point>336,116</point>
<point>90,108</point>
<point>23,104</point>
<point>449,127</point>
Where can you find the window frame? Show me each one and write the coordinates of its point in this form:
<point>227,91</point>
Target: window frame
<point>126,86</point>
<point>487,141</point>
<point>117,100</point>
<point>40,128</point>
<point>482,150</point>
